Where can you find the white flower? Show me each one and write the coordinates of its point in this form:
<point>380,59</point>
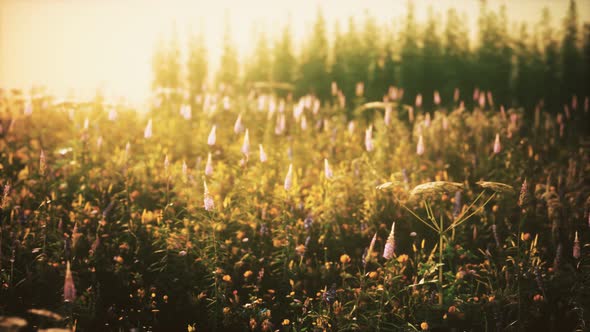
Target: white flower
<point>238,127</point>
<point>211,138</point>
<point>327,170</point>
<point>147,133</point>
<point>420,146</point>
<point>389,249</point>
<point>497,145</point>
<point>289,178</point>
<point>209,165</point>
<point>263,157</point>
<point>246,145</point>
<point>209,204</point>
<point>369,139</point>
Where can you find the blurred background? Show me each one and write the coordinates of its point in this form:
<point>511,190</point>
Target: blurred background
<point>520,50</point>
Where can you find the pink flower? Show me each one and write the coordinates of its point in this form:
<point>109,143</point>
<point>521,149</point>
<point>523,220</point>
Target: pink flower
<point>327,170</point>
<point>497,145</point>
<point>263,157</point>
<point>69,287</point>
<point>419,100</point>
<point>369,139</point>
<point>246,145</point>
<point>238,127</point>
<point>209,166</point>
<point>289,178</point>
<point>387,117</point>
<point>208,200</point>
<point>436,98</point>
<point>212,137</point>
<point>420,146</point>
<point>147,133</point>
<point>576,250</point>
<point>389,250</point>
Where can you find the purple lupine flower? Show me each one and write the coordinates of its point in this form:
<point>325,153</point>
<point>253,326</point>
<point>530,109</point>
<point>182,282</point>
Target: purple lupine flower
<point>420,146</point>
<point>289,178</point>
<point>389,250</point>
<point>147,133</point>
<point>436,98</point>
<point>387,117</point>
<point>246,145</point>
<point>497,145</point>
<point>69,287</point>
<point>209,165</point>
<point>369,139</point>
<point>263,157</point>
<point>212,137</point>
<point>209,204</point>
<point>327,170</point>
<point>418,100</point>
<point>238,127</point>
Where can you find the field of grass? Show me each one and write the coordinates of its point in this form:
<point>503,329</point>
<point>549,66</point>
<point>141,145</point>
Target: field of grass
<point>250,212</point>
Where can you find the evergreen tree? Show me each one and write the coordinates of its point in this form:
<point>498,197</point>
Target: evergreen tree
<point>550,82</point>
<point>314,62</point>
<point>411,58</point>
<point>586,61</point>
<point>228,73</point>
<point>432,61</point>
<point>457,65</point>
<point>159,66</point>
<point>371,52</point>
<point>283,59</point>
<point>197,63</point>
<point>173,77</point>
<point>338,71</point>
<point>570,57</point>
<point>259,67</point>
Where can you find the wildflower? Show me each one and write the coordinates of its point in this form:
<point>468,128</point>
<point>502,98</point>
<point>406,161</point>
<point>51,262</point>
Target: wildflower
<point>303,123</point>
<point>497,145</point>
<point>456,95</point>
<point>42,163</point>
<point>226,278</point>
<point>445,123</point>
<point>307,223</point>
<point>226,103</point>
<point>5,195</point>
<point>538,298</point>
<point>166,164</point>
<point>419,100</point>
<point>424,326</point>
<point>285,322</point>
<point>403,258</point>
<point>246,145</point>
<point>389,250</point>
<point>369,254</point>
<point>247,274</point>
<point>576,250</point>
<point>209,165</point>
<point>411,114</point>
<point>289,178</point>
<point>186,111</point>
<point>184,168</point>
<point>300,250</point>
<point>344,259</point>
<point>436,98</point>
<point>327,170</point>
<point>69,287</point>
<point>147,133</point>
<point>112,114</point>
<point>369,139</point>
<point>263,157</point>
<point>524,197</point>
<point>316,106</point>
<point>99,142</point>
<point>360,89</point>
<point>208,200</point>
<point>420,146</point>
<point>211,138</point>
<point>387,117</point>
<point>86,123</point>
<point>238,127</point>
<point>350,127</point>
<point>427,120</point>
<point>482,100</point>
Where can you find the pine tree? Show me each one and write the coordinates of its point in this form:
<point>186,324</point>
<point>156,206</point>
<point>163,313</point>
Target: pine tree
<point>550,82</point>
<point>314,62</point>
<point>174,72</point>
<point>259,67</point>
<point>283,59</point>
<point>570,57</point>
<point>457,64</point>
<point>432,60</point>
<point>586,61</point>
<point>159,66</point>
<point>411,58</point>
<point>197,64</point>
<point>228,73</point>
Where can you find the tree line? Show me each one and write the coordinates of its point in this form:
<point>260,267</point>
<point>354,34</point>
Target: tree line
<point>521,64</point>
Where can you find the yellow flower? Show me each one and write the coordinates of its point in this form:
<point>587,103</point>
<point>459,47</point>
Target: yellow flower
<point>424,326</point>
<point>227,278</point>
<point>286,322</point>
<point>373,275</point>
<point>402,258</point>
<point>344,259</point>
<point>247,274</point>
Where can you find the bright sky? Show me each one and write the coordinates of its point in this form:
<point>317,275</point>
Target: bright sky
<point>80,45</point>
